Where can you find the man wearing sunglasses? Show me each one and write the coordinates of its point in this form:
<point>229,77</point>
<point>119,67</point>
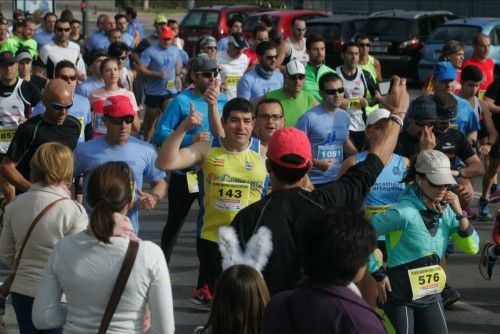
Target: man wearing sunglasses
<point>61,48</point>
<point>315,68</point>
<point>118,145</point>
<point>264,77</point>
<point>53,125</point>
<point>46,35</point>
<point>204,73</point>
<point>327,127</point>
<point>293,98</point>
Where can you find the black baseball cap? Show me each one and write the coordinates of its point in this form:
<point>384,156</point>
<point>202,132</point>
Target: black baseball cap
<point>7,58</point>
<point>423,108</point>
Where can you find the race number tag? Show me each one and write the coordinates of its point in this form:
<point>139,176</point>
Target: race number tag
<point>374,209</point>
<point>331,152</point>
<point>6,135</point>
<point>192,182</point>
<point>232,80</point>
<point>426,281</point>
<point>354,103</point>
<point>170,84</point>
<point>229,196</point>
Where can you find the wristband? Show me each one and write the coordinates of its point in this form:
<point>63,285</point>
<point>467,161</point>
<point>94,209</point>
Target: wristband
<point>461,216</point>
<point>156,197</point>
<point>397,119</point>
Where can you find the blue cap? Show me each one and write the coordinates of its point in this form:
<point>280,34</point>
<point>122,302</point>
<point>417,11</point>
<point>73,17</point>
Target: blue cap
<point>444,70</point>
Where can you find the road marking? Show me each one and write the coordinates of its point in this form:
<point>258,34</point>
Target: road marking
<point>472,308</point>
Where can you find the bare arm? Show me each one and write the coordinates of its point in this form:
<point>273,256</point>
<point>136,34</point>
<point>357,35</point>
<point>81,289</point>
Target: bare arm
<point>348,163</point>
<point>9,172</point>
<point>378,69</point>
<point>211,95</point>
<point>142,69</point>
<point>494,109</point>
<point>488,121</point>
<point>149,201</point>
<point>349,147</point>
<point>472,168</point>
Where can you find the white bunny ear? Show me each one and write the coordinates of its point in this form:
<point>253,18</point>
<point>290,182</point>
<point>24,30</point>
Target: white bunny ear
<point>229,247</point>
<point>258,248</point>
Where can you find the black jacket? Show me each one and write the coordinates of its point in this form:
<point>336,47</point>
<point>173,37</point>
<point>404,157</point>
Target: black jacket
<point>285,212</point>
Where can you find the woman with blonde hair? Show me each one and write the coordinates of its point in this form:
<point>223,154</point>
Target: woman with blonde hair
<point>92,261</point>
<point>51,177</point>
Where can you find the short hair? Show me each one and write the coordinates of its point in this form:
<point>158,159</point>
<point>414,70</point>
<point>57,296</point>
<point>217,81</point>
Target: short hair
<point>328,77</point>
<point>109,190</point>
<point>62,20</point>
<point>237,104</point>
<point>115,30</point>
<point>67,14</point>
<point>257,29</point>
<point>75,21</point>
<point>450,48</point>
<point>297,18</point>
<point>171,21</point>
<point>49,14</point>
<point>17,13</point>
<point>233,20</point>
<point>349,44</point>
<point>130,11</point>
<point>266,20</point>
<point>100,18</point>
<point>275,36</point>
<point>268,101</point>
<point>263,47</point>
<point>52,164</point>
<point>336,244</point>
<point>471,73</point>
<point>248,286</point>
<point>115,49</point>
<point>27,21</point>
<point>288,175</point>
<point>361,36</point>
<point>311,39</point>
<point>120,16</point>
<point>478,37</point>
<point>64,64</point>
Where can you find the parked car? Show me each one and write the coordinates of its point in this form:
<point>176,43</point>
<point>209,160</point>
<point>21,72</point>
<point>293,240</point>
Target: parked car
<point>336,30</point>
<point>462,30</point>
<point>397,38</point>
<point>211,20</point>
<point>282,20</point>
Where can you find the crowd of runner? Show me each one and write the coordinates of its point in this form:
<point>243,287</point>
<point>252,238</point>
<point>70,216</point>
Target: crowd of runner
<point>326,203</point>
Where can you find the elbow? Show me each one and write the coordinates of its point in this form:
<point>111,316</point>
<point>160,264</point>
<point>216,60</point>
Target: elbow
<point>164,165</point>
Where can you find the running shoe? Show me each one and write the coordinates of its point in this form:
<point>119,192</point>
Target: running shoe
<point>202,296</point>
<point>486,262</point>
<point>450,296</point>
<point>495,197</point>
<point>484,210</point>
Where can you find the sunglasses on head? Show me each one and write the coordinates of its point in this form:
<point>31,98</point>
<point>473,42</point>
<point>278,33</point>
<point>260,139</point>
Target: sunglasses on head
<point>298,77</point>
<point>58,106</point>
<point>209,75</point>
<point>63,29</point>
<point>68,77</point>
<point>334,91</point>
<point>120,120</point>
<point>423,123</point>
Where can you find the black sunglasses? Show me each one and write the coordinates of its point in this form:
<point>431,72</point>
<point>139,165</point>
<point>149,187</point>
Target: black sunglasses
<point>120,120</point>
<point>298,77</point>
<point>334,91</point>
<point>68,77</point>
<point>58,106</point>
<point>433,185</point>
<point>272,57</point>
<point>366,45</point>
<point>209,75</point>
<point>423,123</point>
<point>63,29</point>
<point>210,47</point>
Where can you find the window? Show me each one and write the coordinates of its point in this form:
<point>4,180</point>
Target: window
<point>329,31</point>
<point>462,33</point>
<point>201,18</point>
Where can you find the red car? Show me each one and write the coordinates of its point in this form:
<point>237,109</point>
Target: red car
<point>282,20</point>
<point>211,20</point>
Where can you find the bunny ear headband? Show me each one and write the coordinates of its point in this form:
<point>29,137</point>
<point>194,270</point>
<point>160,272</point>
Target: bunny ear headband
<point>256,253</point>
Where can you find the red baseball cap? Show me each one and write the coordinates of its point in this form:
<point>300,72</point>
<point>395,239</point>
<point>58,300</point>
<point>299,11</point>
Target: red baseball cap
<point>166,32</point>
<point>118,106</point>
<point>289,141</point>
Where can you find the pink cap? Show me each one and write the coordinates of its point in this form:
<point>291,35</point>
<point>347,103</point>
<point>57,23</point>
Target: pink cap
<point>289,141</point>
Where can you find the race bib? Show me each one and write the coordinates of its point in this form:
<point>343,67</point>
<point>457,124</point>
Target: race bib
<point>6,135</point>
<point>426,281</point>
<point>170,84</point>
<point>374,209</point>
<point>192,182</point>
<point>331,152</point>
<point>354,103</point>
<point>232,80</point>
<point>229,196</point>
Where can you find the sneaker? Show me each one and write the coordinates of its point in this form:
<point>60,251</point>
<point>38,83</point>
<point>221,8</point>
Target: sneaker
<point>450,296</point>
<point>486,262</point>
<point>202,296</point>
<point>484,210</point>
<point>495,197</point>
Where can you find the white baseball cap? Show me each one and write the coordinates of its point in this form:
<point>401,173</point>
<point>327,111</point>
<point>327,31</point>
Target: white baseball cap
<point>295,67</point>
<point>377,115</point>
<point>436,167</point>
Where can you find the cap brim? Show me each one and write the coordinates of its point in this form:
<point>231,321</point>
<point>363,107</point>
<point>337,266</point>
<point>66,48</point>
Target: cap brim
<point>441,178</point>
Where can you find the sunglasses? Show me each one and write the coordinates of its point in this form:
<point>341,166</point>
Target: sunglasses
<point>334,91</point>
<point>59,107</point>
<point>210,47</point>
<point>120,120</point>
<point>209,75</point>
<point>272,57</point>
<point>296,77</point>
<point>437,185</point>
<point>364,45</point>
<point>68,78</point>
<point>264,117</point>
<point>63,29</point>
<point>423,123</point>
